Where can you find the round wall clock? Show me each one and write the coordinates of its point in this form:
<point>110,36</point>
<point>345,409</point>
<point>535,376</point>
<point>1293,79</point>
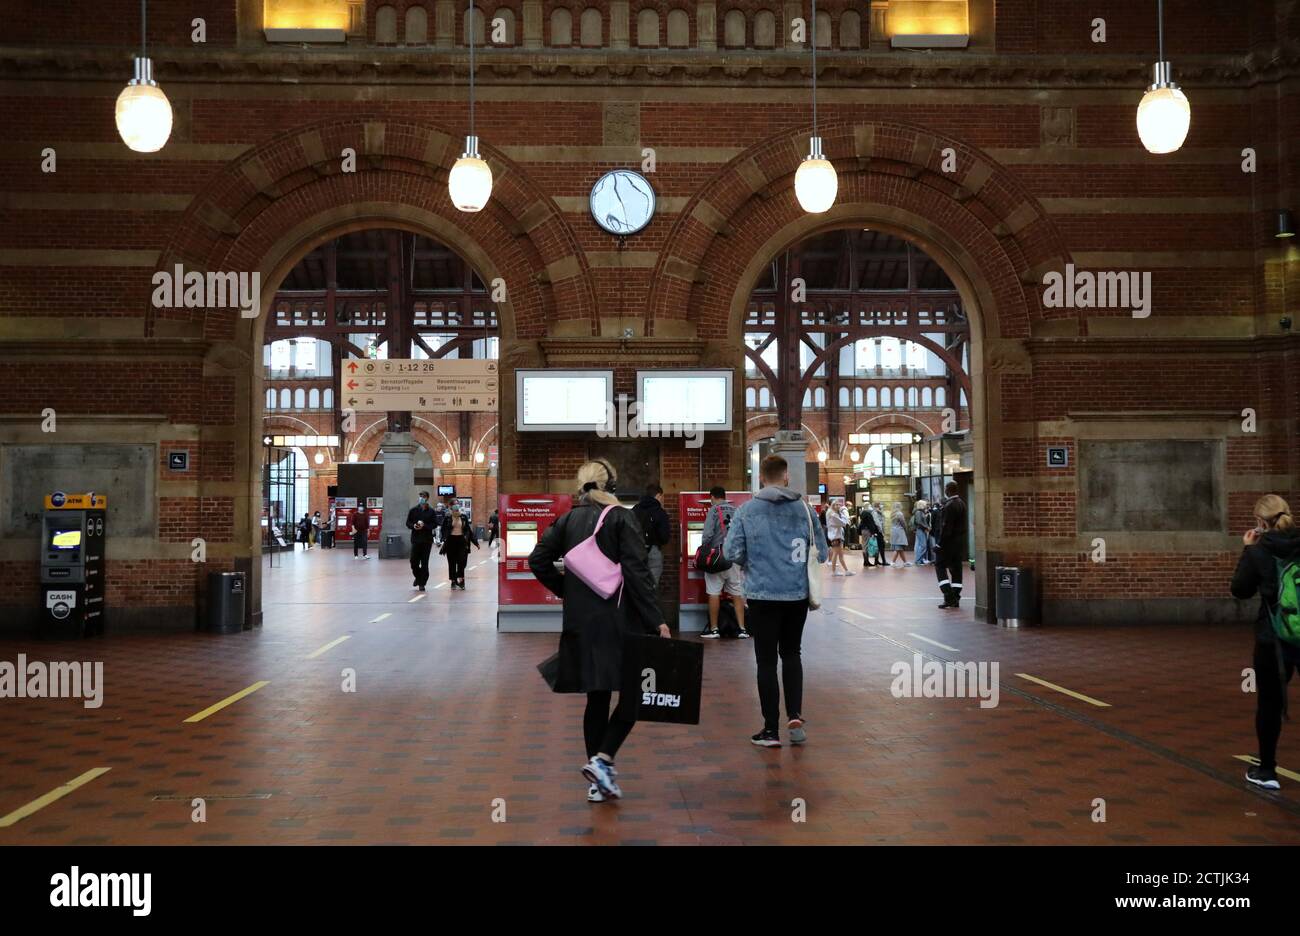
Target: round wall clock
<point>622,202</point>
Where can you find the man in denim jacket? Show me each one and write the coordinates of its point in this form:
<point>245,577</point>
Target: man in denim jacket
<point>768,538</point>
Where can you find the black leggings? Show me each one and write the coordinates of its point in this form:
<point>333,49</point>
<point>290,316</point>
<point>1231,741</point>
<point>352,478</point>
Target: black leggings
<point>457,549</point>
<point>1270,686</point>
<point>605,732</point>
<point>777,628</point>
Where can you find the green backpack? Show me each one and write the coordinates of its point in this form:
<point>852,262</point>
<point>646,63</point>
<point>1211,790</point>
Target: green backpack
<point>1286,612</point>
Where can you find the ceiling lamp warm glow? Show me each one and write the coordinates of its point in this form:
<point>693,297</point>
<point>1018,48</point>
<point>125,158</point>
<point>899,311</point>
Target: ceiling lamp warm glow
<point>815,181</point>
<point>470,181</point>
<point>1164,115</point>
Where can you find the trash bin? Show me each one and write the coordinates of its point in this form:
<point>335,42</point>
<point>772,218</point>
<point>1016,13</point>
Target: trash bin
<point>1016,600</point>
<point>225,602</point>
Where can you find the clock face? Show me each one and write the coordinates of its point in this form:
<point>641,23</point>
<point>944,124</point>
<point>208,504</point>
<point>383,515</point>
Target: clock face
<point>622,202</point>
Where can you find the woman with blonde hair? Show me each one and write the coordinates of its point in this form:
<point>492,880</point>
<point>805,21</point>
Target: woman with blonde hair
<point>1270,567</point>
<point>596,629</point>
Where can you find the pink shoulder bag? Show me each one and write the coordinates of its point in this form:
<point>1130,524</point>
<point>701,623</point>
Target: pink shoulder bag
<point>595,570</point>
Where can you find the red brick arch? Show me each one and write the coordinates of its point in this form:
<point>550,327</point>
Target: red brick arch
<point>264,210</point>
<point>978,222</point>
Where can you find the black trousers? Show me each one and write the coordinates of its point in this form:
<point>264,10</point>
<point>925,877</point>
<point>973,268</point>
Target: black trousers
<point>420,562</point>
<point>880,550</point>
<point>777,630</point>
<point>947,568</point>
<point>1270,688</point>
<point>361,543</point>
<point>603,731</point>
<point>457,549</point>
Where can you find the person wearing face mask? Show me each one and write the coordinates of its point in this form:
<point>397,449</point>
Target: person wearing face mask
<point>420,520</point>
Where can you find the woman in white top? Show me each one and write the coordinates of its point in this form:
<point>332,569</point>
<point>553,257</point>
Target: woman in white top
<point>837,518</point>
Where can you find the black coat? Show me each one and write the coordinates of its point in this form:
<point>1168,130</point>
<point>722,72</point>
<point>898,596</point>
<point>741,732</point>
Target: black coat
<point>471,538</point>
<point>591,644</point>
<point>1257,575</point>
<point>950,531</point>
<point>421,512</point>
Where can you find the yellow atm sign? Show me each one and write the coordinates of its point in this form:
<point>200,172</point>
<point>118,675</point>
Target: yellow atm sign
<point>61,501</point>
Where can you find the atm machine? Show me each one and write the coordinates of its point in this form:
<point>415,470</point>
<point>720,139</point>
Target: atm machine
<point>693,507</point>
<point>525,605</point>
<point>72,565</point>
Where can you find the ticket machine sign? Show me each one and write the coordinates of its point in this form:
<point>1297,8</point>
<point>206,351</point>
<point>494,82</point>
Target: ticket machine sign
<point>693,508</point>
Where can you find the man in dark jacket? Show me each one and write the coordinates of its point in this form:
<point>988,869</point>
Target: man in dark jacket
<point>421,521</point>
<point>950,554</point>
<point>1274,541</point>
<point>653,519</point>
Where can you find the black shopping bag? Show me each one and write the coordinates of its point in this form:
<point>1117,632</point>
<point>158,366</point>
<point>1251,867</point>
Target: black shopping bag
<point>667,676</point>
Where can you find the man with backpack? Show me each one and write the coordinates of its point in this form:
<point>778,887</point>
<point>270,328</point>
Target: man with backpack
<point>650,514</point>
<point>1270,567</point>
<point>728,579</point>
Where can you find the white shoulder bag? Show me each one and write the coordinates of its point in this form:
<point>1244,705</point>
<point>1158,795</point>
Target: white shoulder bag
<point>814,566</point>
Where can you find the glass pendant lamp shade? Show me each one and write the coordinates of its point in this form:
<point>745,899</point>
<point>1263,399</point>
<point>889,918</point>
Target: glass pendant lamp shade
<point>470,182</point>
<point>815,181</point>
<point>1164,115</point>
<point>144,115</point>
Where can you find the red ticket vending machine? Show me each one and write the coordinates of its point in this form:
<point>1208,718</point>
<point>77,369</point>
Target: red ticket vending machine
<point>692,508</point>
<point>375,507</point>
<point>525,605</point>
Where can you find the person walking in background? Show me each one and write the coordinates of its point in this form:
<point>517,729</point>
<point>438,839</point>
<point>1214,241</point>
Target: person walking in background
<point>457,537</point>
<point>361,532</point>
<point>950,554</point>
<point>304,531</point>
<point>421,521</point>
<point>494,528</point>
<point>653,520</point>
<point>595,629</point>
<point>731,580</point>
<point>769,537</point>
<point>1269,567</point>
<point>921,524</point>
<point>898,536</point>
<point>871,535</point>
<point>837,522</point>
<point>317,524</point>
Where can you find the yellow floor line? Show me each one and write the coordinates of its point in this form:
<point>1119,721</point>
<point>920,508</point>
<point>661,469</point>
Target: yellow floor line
<point>381,617</point>
<point>1070,692</point>
<point>231,700</point>
<point>1281,771</point>
<point>328,646</point>
<point>57,793</point>
<point>935,642</point>
<point>857,612</point>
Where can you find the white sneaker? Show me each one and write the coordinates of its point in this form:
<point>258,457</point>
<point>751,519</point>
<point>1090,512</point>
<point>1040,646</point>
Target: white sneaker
<point>594,795</point>
<point>600,773</point>
<point>847,572</point>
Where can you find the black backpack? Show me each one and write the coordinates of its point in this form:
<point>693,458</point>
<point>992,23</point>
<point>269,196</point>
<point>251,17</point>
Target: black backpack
<point>728,623</point>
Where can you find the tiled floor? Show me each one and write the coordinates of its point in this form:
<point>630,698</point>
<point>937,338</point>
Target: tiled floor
<point>450,729</point>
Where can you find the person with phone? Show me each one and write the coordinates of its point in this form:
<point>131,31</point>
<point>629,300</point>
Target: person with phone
<point>421,520</point>
<point>1269,567</point>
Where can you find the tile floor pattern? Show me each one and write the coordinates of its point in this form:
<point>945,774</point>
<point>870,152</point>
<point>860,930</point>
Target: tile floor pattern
<point>448,716</point>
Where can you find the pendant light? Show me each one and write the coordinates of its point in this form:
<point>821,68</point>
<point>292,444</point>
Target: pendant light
<point>815,182</point>
<point>144,115</point>
<point>470,182</point>
<point>1164,114</point>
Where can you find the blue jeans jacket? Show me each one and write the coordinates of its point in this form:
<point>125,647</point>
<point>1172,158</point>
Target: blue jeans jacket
<point>768,538</point>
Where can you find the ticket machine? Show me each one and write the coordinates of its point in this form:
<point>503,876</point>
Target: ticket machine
<point>692,508</point>
<point>72,565</point>
<point>523,603</point>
